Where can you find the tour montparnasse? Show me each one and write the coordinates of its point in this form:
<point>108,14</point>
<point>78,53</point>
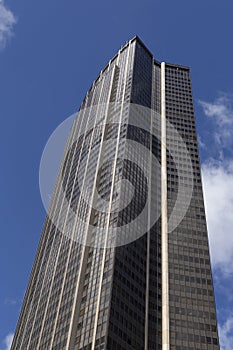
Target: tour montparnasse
<point>123,262</point>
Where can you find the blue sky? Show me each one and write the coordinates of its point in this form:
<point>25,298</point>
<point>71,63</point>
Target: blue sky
<point>50,52</point>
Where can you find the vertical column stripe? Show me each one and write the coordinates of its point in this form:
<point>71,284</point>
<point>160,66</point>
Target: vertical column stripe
<point>109,212</point>
<point>164,233</point>
<point>148,237</point>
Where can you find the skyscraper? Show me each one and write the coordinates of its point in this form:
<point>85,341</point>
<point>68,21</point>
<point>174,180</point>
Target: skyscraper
<point>123,261</point>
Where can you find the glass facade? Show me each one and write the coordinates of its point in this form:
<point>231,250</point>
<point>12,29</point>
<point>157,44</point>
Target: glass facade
<point>192,307</point>
<point>93,287</point>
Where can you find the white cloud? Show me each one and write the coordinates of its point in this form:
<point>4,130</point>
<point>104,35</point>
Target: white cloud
<point>220,109</point>
<point>7,21</point>
<point>226,334</point>
<point>218,182</point>
<point>218,192</point>
<point>201,143</point>
<point>8,341</point>
<point>10,301</point>
<point>221,113</point>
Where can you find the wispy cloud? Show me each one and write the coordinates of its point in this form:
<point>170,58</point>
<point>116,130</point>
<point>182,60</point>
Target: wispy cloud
<point>10,301</point>
<point>220,109</point>
<point>220,112</point>
<point>201,143</point>
<point>217,173</point>
<point>218,182</point>
<point>218,192</point>
<point>226,334</point>
<point>7,21</point>
<point>8,341</point>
